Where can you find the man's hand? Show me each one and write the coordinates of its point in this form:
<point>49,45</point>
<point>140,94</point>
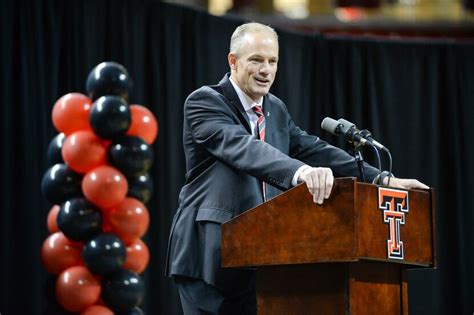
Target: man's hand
<point>405,183</point>
<point>319,181</point>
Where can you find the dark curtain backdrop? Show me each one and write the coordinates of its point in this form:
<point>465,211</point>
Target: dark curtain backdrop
<point>417,97</point>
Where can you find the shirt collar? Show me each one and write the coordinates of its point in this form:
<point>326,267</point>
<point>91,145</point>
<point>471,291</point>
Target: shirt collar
<point>246,101</point>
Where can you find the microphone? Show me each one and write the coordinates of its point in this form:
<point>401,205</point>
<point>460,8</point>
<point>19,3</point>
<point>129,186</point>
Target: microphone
<point>356,136</point>
<point>345,128</point>
<point>365,134</point>
<point>331,125</point>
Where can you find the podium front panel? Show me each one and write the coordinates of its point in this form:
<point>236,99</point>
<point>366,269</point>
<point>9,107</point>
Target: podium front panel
<point>292,229</point>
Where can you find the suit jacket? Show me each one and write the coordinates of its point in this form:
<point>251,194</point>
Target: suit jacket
<point>225,165</point>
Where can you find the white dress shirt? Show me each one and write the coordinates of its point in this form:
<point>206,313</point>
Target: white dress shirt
<point>248,103</point>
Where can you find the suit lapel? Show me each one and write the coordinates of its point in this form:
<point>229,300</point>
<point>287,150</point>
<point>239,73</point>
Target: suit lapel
<point>269,132</point>
<point>229,92</point>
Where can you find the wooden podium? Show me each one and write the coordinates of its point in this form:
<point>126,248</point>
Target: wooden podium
<point>348,256</point>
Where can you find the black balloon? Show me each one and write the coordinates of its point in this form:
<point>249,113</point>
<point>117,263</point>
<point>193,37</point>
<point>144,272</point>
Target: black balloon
<point>54,149</point>
<point>108,78</point>
<point>104,254</point>
<point>122,291</point>
<point>110,117</point>
<point>60,183</point>
<point>140,187</point>
<point>79,220</point>
<point>131,155</point>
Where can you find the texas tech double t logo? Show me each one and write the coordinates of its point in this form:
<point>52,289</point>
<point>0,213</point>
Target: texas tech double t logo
<point>394,204</point>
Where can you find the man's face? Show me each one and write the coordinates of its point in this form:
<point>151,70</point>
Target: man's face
<point>255,67</point>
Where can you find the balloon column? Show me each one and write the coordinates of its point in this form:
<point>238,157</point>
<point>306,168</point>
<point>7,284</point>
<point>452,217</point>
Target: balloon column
<point>98,184</point>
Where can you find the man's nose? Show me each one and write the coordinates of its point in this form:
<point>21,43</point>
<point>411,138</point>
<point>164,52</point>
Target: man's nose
<point>264,68</point>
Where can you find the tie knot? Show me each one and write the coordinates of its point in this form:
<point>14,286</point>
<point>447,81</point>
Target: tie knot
<point>257,109</point>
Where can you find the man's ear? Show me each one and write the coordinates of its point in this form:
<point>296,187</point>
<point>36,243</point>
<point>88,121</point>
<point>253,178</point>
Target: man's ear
<point>232,59</point>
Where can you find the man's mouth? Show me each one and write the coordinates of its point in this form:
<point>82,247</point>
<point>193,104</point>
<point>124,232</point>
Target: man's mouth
<point>262,81</point>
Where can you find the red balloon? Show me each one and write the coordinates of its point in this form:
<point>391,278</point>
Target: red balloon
<point>59,253</point>
<point>52,215</point>
<point>71,113</point>
<point>77,289</point>
<point>83,150</point>
<point>128,220</point>
<point>137,256</point>
<point>144,124</point>
<point>97,310</point>
<point>105,186</point>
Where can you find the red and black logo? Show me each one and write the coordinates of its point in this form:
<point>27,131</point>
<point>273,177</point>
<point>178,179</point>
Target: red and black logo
<point>394,204</point>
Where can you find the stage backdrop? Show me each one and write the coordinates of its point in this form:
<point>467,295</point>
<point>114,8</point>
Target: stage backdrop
<point>416,96</point>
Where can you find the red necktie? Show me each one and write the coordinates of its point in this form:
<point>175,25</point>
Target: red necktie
<point>261,135</point>
<point>260,122</point>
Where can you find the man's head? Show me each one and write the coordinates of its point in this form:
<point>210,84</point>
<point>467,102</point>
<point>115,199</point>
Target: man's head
<point>253,58</point>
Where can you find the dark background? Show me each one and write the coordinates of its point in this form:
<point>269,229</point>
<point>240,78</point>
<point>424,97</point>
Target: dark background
<point>415,95</point>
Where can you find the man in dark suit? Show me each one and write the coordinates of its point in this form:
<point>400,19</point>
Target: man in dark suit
<point>242,148</point>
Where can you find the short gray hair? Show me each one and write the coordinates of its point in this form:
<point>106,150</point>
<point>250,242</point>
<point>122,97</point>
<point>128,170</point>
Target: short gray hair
<point>236,41</point>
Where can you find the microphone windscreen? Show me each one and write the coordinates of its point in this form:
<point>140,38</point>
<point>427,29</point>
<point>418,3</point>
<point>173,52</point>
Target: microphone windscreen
<point>345,125</point>
<point>330,125</point>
